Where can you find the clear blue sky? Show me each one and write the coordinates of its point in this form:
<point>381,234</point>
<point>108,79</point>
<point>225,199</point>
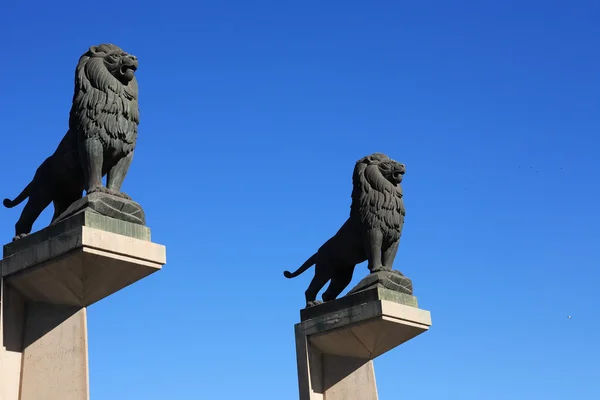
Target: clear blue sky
<point>252,116</point>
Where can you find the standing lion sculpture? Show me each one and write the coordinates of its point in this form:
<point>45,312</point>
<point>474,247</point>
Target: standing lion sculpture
<point>101,139</point>
<point>372,232</point>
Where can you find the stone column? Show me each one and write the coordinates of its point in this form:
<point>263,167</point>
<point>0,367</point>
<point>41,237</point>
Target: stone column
<point>337,341</point>
<point>48,280</point>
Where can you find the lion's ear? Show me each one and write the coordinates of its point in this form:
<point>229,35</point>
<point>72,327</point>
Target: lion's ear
<point>93,49</point>
<point>371,159</point>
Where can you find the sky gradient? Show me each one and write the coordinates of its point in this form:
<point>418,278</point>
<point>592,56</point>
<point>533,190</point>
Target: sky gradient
<point>252,116</point>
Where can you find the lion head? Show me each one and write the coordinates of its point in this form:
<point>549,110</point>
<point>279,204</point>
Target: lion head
<point>391,170</point>
<point>105,102</point>
<point>377,194</point>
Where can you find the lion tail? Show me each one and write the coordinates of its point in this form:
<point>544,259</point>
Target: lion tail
<point>8,203</point>
<point>307,264</point>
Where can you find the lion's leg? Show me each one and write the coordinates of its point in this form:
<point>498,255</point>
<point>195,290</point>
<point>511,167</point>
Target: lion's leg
<point>389,255</point>
<point>92,157</point>
<point>116,175</point>
<point>339,283</point>
<point>374,242</point>
<point>319,280</point>
<point>31,212</point>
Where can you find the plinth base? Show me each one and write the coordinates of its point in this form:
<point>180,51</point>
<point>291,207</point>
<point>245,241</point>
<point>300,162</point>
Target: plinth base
<point>48,280</point>
<point>335,349</point>
<point>392,280</point>
<point>106,205</point>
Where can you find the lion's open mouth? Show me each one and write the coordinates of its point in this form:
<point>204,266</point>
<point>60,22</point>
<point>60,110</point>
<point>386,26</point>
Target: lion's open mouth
<point>127,68</point>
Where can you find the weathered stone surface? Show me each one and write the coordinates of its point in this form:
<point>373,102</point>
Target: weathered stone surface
<point>88,218</point>
<point>109,206</point>
<point>47,280</point>
<point>367,330</point>
<point>81,266</point>
<point>55,353</point>
<point>392,280</point>
<point>356,299</point>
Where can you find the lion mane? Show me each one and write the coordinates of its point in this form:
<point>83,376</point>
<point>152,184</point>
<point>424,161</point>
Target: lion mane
<point>372,231</point>
<point>103,106</point>
<point>376,202</point>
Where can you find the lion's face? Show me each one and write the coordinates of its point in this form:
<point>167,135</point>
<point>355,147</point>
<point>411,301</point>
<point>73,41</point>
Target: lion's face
<point>119,63</point>
<point>392,170</point>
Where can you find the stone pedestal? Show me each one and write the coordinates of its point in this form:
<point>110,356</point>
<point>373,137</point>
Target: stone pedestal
<point>48,280</point>
<point>336,342</point>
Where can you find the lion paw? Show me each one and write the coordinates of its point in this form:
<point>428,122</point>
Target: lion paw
<point>19,236</point>
<point>118,193</point>
<point>112,192</point>
<point>122,195</point>
<point>99,189</point>
<point>381,269</point>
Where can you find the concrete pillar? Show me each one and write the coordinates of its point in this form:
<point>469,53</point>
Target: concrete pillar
<point>337,342</point>
<point>48,280</point>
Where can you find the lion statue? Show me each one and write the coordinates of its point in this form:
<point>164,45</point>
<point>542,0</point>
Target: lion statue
<point>372,232</point>
<point>101,139</point>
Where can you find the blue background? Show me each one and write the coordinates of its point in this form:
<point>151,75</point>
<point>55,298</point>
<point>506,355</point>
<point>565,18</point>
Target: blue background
<point>252,116</point>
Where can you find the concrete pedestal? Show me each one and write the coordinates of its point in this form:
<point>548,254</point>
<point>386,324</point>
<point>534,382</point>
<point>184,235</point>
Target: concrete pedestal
<point>48,280</point>
<point>337,342</point>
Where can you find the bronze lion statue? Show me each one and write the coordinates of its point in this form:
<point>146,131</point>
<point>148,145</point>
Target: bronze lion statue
<point>372,232</point>
<point>101,139</point>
